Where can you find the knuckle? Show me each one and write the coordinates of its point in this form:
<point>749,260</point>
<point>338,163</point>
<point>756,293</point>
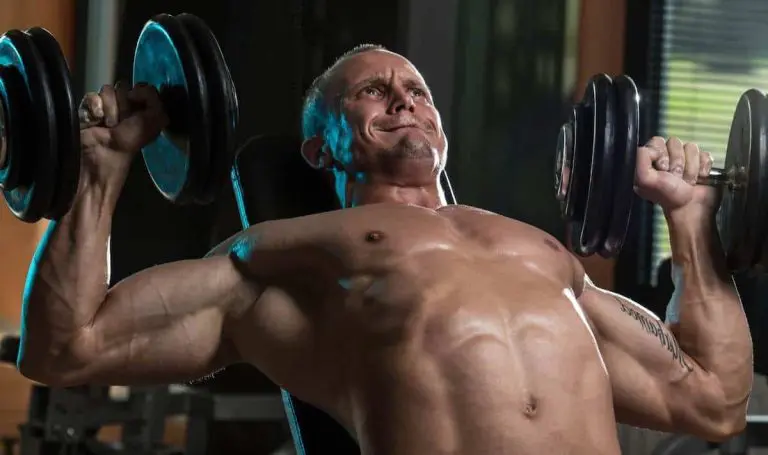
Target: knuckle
<point>658,143</point>
<point>674,144</point>
<point>91,99</point>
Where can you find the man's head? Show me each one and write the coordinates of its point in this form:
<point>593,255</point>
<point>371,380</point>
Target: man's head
<point>370,118</point>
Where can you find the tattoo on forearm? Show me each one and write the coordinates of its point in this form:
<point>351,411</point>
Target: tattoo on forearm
<point>654,327</point>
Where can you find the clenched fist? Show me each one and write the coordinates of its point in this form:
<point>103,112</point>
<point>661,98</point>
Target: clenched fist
<point>667,172</point>
<point>117,122</point>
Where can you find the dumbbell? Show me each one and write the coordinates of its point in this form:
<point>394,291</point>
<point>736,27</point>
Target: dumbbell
<point>39,128</point>
<point>596,161</point>
<point>192,158</point>
<point>39,136</point>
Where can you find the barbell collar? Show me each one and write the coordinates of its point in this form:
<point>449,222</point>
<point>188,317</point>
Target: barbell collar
<point>733,178</point>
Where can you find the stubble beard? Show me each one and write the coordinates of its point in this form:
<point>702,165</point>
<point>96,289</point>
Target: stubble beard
<point>409,156</point>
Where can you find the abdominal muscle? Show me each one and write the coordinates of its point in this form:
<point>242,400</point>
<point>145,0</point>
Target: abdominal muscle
<point>477,373</point>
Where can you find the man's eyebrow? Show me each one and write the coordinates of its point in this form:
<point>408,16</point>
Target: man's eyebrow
<point>418,83</point>
<point>375,79</point>
<point>409,81</point>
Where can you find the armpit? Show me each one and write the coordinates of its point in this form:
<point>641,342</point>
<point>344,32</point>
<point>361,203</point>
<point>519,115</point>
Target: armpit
<point>580,278</point>
<point>569,295</point>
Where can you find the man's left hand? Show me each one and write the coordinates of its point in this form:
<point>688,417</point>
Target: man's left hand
<point>667,172</point>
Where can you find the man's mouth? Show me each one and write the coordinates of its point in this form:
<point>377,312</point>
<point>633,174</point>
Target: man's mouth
<point>391,129</point>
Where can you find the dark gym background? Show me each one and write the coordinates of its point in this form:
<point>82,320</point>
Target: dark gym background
<point>503,73</point>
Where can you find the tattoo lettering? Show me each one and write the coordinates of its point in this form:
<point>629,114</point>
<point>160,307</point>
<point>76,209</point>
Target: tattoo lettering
<point>653,327</point>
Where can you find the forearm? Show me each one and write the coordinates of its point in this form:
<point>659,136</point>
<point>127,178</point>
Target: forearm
<point>69,274</point>
<point>712,327</point>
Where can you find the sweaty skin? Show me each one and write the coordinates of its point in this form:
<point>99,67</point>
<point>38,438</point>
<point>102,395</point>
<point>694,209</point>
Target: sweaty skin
<point>422,328</point>
<point>444,331</point>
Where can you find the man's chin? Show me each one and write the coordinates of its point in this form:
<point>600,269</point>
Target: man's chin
<point>411,159</point>
<point>415,145</point>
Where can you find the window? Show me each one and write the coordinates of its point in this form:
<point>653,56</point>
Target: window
<point>711,52</point>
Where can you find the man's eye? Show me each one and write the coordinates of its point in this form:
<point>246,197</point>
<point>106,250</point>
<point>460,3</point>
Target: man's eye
<point>372,91</point>
<point>418,92</point>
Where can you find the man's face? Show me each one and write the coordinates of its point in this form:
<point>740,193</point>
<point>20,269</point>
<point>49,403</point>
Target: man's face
<point>392,125</point>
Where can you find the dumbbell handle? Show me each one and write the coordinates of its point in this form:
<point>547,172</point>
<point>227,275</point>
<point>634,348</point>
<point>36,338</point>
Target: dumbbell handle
<point>732,177</point>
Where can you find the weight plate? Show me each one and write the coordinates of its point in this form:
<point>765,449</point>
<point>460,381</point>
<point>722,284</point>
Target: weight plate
<point>223,105</point>
<point>166,59</point>
<point>13,95</point>
<point>761,137</point>
<point>563,158</point>
<point>601,98</point>
<point>741,212</point>
<point>67,122</point>
<point>564,162</point>
<point>582,117</point>
<point>30,200</point>
<point>627,125</point>
<point>3,139</point>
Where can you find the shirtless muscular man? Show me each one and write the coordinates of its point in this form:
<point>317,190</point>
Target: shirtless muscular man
<point>423,328</point>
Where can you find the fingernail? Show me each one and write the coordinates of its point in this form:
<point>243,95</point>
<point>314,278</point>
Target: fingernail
<point>677,170</point>
<point>98,112</point>
<point>664,164</point>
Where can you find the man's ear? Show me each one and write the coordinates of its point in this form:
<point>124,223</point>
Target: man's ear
<point>315,153</point>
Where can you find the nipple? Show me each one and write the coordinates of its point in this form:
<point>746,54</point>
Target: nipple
<point>551,243</point>
<point>374,236</point>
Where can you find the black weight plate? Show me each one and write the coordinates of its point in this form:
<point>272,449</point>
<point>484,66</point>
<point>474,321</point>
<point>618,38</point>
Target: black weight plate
<point>13,96</point>
<point>760,142</point>
<point>625,163</point>
<point>563,158</point>
<point>564,162</point>
<point>761,260</point>
<point>29,202</point>
<point>166,59</point>
<point>741,211</point>
<point>222,102</point>
<point>601,96</point>
<point>582,117</point>
<point>67,122</point>
<point>3,140</point>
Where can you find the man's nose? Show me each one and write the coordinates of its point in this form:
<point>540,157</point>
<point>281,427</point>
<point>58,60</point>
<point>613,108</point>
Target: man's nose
<point>401,101</point>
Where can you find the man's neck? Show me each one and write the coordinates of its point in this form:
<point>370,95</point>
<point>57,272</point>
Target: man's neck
<point>428,196</point>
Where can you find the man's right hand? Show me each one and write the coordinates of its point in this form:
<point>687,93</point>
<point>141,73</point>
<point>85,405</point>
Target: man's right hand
<point>116,123</point>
